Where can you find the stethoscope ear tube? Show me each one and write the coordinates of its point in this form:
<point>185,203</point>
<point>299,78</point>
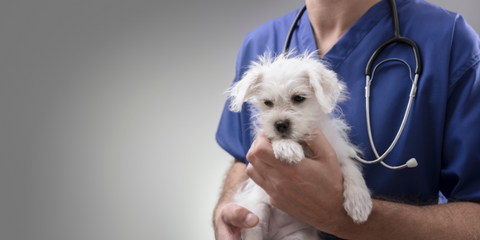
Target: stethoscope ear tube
<point>396,38</point>
<point>413,45</point>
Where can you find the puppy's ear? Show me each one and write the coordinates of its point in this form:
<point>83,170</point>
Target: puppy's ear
<point>328,89</point>
<point>242,90</point>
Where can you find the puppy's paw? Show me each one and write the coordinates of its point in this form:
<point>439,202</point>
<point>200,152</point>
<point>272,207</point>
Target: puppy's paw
<point>358,203</point>
<point>288,151</point>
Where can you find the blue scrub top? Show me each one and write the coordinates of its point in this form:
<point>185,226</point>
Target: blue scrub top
<point>443,130</point>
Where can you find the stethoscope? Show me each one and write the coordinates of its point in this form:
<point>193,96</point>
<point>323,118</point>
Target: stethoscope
<point>369,78</point>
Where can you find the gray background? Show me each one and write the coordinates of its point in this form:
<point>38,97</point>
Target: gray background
<point>108,111</point>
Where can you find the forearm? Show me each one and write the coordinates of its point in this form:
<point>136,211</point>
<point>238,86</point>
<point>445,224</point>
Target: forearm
<point>459,220</point>
<point>235,176</point>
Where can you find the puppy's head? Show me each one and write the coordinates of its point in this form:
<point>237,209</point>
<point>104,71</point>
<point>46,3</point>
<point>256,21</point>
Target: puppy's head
<point>292,93</point>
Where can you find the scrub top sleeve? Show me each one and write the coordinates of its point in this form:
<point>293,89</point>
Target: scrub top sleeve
<point>460,178</point>
<point>234,133</point>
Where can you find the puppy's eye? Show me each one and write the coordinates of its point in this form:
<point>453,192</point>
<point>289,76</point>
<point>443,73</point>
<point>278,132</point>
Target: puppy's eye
<point>268,103</point>
<point>298,99</point>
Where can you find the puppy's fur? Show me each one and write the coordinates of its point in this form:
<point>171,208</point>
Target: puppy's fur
<point>294,95</point>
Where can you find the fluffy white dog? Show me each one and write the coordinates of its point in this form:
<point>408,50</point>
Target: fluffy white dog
<point>295,95</point>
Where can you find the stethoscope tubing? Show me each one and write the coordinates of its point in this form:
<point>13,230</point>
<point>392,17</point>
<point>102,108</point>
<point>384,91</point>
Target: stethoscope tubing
<point>368,74</point>
<point>413,45</point>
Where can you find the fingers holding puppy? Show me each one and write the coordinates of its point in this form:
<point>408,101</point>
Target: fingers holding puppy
<point>261,149</point>
<point>306,190</point>
<point>264,169</point>
<point>261,154</point>
<point>320,147</point>
<point>261,159</point>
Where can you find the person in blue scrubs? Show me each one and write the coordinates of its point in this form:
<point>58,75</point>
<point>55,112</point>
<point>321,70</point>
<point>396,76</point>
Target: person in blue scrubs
<point>442,132</point>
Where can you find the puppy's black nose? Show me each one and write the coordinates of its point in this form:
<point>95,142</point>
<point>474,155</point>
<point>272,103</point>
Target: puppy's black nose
<point>282,126</point>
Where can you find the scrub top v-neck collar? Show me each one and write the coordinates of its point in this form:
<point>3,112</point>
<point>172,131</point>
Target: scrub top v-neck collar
<point>347,43</point>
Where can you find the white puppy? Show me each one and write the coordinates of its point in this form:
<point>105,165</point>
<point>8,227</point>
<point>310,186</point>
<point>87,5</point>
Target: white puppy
<point>295,95</point>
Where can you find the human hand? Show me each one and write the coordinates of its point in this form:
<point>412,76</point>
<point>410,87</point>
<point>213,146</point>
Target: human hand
<point>310,191</point>
<point>231,219</point>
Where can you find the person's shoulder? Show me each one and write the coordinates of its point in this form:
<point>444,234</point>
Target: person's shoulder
<point>268,37</point>
<point>422,15</point>
<point>425,8</point>
<point>447,31</point>
<point>270,34</point>
<point>427,15</point>
<point>274,25</point>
